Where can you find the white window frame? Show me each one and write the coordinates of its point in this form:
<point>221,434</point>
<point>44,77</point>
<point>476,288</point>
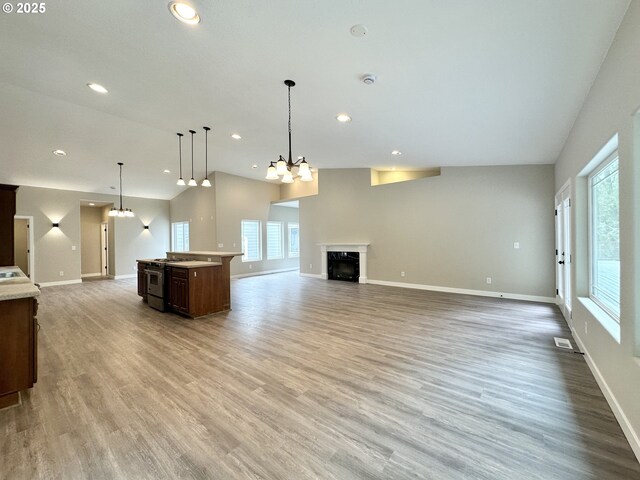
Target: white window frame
<point>604,164</point>
<point>174,248</point>
<point>258,223</point>
<point>289,227</point>
<point>280,254</point>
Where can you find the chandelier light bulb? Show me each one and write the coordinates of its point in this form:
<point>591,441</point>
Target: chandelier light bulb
<point>271,173</point>
<point>193,183</point>
<point>181,182</point>
<point>287,178</point>
<point>206,183</point>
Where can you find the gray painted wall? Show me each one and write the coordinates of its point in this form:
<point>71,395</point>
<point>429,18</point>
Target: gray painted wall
<point>197,205</point>
<point>611,106</point>
<point>53,246</point>
<point>215,215</point>
<point>448,231</point>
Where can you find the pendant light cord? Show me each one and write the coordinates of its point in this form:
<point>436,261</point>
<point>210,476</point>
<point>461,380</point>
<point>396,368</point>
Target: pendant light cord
<point>206,153</point>
<point>191,132</point>
<point>120,186</point>
<point>180,147</point>
<point>289,96</point>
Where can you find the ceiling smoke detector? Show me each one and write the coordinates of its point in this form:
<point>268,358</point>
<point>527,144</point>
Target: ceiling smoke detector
<point>359,30</point>
<point>369,78</point>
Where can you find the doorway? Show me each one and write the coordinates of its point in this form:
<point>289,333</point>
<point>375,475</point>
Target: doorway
<point>563,250</point>
<point>23,244</point>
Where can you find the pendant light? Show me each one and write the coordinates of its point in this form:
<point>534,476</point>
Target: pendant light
<point>284,168</point>
<point>121,212</point>
<point>180,180</point>
<point>192,182</point>
<point>206,182</point>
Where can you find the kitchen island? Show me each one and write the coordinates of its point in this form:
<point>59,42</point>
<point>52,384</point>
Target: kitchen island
<point>18,334</point>
<point>189,283</point>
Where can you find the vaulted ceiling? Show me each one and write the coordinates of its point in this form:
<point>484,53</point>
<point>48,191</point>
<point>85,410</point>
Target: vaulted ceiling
<point>463,82</point>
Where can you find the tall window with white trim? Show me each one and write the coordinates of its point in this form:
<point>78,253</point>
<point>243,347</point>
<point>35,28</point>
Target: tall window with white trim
<point>251,240</point>
<point>294,240</point>
<point>604,236</point>
<point>180,236</point>
<point>274,241</point>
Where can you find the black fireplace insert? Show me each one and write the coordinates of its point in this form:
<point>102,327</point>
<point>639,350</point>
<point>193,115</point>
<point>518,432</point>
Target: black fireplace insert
<point>343,266</point>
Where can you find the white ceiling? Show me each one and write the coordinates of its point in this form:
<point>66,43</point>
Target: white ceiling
<point>463,82</point>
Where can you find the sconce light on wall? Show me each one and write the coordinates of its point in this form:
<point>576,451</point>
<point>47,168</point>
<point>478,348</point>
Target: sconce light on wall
<point>146,227</point>
<point>56,225</point>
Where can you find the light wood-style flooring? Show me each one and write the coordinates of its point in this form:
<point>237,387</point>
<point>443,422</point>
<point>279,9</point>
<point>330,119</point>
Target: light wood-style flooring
<point>309,379</point>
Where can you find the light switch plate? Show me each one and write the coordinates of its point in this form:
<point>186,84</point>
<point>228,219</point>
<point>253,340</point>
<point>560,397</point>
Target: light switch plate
<point>516,244</point>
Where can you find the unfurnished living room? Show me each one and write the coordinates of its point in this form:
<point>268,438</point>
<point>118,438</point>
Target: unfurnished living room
<point>339,239</point>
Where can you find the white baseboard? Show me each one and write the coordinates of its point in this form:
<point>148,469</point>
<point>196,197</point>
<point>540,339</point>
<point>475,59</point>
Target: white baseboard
<point>311,275</point>
<point>56,284</point>
<point>90,275</point>
<point>627,428</point>
<point>263,272</point>
<point>129,275</point>
<point>464,291</point>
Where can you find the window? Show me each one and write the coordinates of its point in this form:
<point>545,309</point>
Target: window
<point>604,237</point>
<point>274,240</point>
<point>251,240</point>
<point>180,236</point>
<point>294,239</point>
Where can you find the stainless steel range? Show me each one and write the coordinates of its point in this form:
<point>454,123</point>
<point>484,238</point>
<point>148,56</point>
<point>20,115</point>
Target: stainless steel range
<point>155,273</point>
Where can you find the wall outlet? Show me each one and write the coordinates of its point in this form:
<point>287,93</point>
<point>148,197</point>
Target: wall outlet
<point>134,268</point>
<point>73,247</point>
<point>234,244</point>
<point>250,267</point>
<point>310,266</point>
<point>61,273</point>
<point>221,245</point>
<point>516,245</point>
<point>488,280</point>
<point>208,259</point>
<point>402,274</point>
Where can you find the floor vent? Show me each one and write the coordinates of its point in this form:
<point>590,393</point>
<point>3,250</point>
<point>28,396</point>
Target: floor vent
<point>563,343</point>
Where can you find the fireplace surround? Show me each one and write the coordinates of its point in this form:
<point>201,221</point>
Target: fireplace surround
<point>360,248</point>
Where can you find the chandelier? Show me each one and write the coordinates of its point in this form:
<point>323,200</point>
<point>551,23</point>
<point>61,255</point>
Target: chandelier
<point>121,212</point>
<point>284,168</point>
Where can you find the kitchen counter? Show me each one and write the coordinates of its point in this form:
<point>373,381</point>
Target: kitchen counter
<point>15,284</point>
<point>203,254</point>
<point>193,264</point>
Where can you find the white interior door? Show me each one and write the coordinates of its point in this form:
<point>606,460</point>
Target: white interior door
<point>563,251</point>
<point>104,248</point>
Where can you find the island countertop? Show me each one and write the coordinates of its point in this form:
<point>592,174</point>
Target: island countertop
<point>19,286</point>
<point>206,254</point>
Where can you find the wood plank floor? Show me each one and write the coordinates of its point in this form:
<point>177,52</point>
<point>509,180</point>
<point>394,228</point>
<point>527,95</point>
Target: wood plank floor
<point>309,379</point>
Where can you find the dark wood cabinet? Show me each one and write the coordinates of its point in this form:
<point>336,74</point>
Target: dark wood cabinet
<point>196,291</point>
<point>7,214</point>
<point>18,348</point>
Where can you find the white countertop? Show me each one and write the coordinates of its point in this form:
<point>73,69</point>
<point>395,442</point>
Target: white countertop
<point>206,254</point>
<point>193,264</point>
<point>14,287</point>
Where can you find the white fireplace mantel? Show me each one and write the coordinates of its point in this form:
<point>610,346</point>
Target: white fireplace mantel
<point>361,248</point>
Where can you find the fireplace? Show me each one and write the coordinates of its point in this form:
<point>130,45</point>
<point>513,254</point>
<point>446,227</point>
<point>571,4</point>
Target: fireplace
<point>347,254</point>
<point>343,266</point>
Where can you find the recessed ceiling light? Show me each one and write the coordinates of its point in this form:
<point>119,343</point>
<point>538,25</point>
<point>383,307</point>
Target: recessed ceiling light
<point>343,117</point>
<point>184,12</point>
<point>235,136</point>
<point>166,171</point>
<point>396,152</point>
<point>60,153</point>
<point>92,204</point>
<point>359,30</point>
<point>254,166</point>
<point>96,87</point>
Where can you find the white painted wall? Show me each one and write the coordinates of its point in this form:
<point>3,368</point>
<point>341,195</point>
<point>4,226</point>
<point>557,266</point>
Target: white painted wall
<point>611,107</point>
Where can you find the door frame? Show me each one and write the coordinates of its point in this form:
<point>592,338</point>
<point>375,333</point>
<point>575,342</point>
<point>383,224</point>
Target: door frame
<point>31,253</point>
<point>104,249</point>
<point>564,277</point>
